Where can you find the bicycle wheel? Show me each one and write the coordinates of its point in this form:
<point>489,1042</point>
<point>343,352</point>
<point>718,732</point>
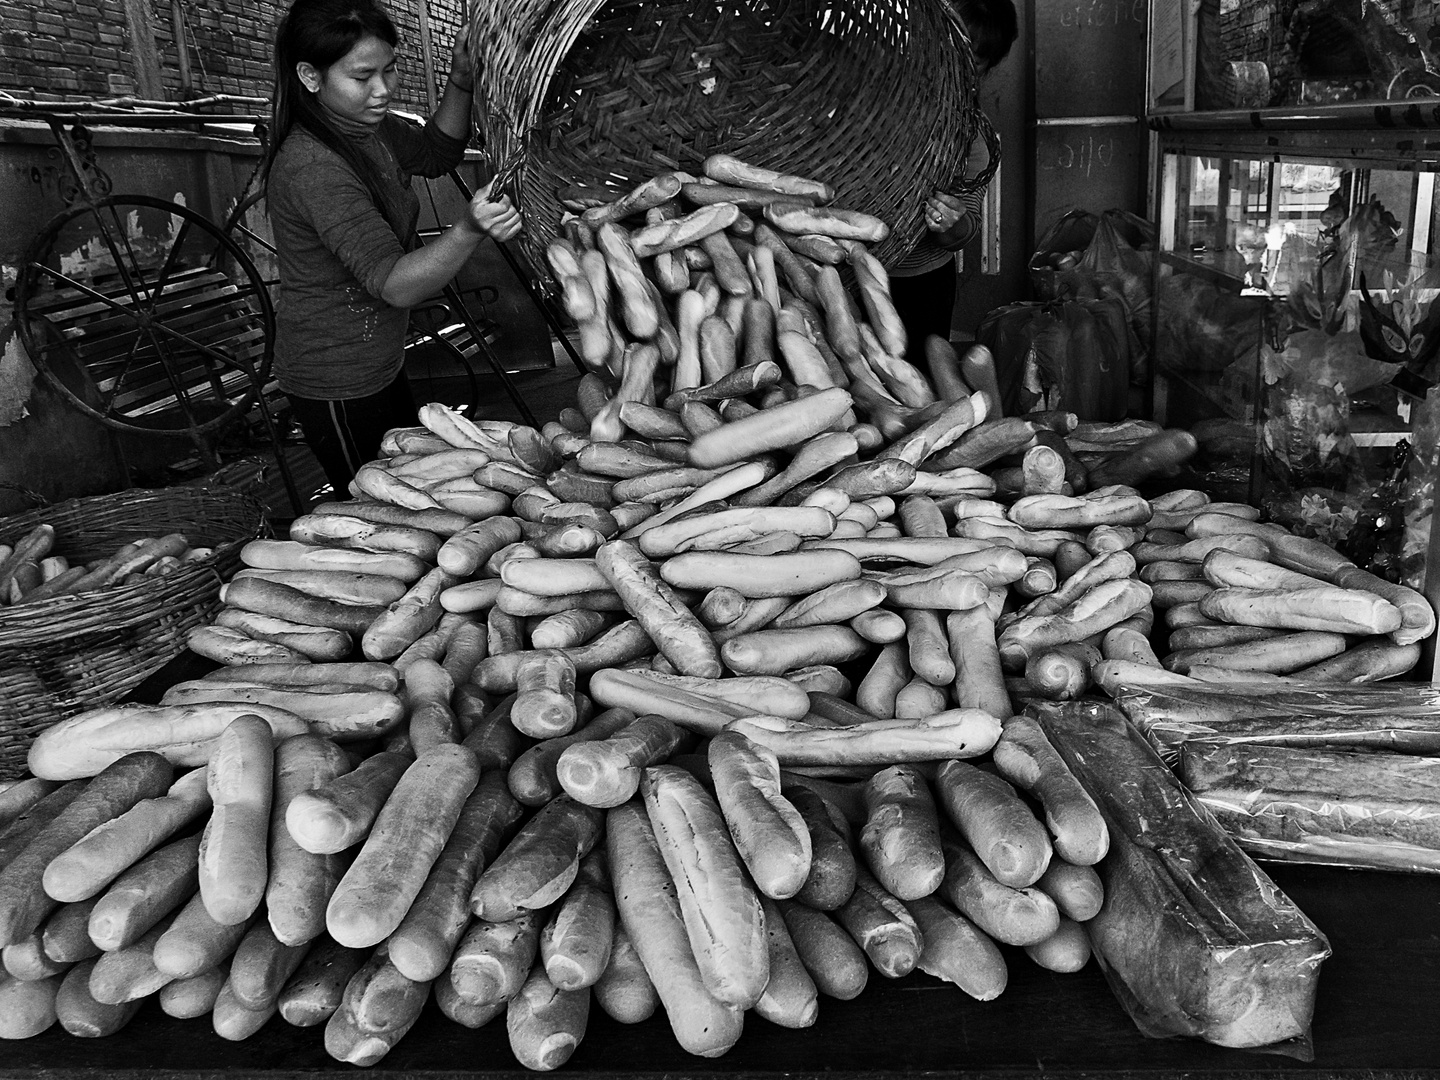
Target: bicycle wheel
<point>145,316</point>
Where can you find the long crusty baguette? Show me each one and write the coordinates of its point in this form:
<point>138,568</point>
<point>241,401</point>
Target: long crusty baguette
<point>234,850</point>
<point>768,831</point>
<point>23,901</point>
<point>300,881</point>
<point>901,835</point>
<point>721,911</point>
<point>646,902</point>
<point>184,735</point>
<point>404,843</point>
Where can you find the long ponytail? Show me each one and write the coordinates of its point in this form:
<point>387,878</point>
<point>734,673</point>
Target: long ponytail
<point>322,32</point>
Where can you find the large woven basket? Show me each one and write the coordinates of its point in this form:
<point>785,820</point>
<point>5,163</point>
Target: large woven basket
<point>876,97</point>
<point>62,656</point>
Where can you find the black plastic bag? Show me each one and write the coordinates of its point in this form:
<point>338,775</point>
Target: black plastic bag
<point>1074,355</point>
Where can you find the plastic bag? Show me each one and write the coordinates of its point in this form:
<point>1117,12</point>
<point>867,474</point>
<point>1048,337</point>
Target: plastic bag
<point>1074,355</point>
<point>1109,257</point>
<point>1400,717</point>
<point>1059,251</point>
<point>1335,807</point>
<point>1194,938</point>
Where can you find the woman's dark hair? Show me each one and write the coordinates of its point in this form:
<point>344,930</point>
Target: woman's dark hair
<point>992,26</point>
<point>322,32</point>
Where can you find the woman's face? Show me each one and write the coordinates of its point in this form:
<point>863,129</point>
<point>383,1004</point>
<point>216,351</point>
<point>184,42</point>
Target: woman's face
<point>359,85</point>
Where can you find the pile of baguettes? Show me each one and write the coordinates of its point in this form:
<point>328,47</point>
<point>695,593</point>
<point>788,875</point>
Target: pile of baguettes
<point>699,698</point>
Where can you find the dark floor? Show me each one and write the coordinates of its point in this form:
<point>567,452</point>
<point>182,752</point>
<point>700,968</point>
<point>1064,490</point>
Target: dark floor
<point>545,391</point>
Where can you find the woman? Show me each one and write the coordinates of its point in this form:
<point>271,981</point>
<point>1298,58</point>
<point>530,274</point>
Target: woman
<point>923,283</point>
<point>344,215</point>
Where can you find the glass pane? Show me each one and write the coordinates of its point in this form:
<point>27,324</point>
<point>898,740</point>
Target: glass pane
<point>1297,337</point>
<point>1259,53</point>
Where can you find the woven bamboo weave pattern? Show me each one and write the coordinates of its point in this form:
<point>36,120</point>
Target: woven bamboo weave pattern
<point>876,97</point>
<point>71,653</point>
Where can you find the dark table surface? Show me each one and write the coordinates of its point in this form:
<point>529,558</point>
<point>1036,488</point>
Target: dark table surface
<point>1377,1016</point>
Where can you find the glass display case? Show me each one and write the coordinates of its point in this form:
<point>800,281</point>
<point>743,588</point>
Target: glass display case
<point>1296,335</point>
<point>1258,54</point>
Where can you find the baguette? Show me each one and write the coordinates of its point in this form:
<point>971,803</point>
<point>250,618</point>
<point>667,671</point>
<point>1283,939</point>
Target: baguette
<point>534,778</point>
<point>540,863</point>
<point>1076,890</point>
<point>901,835</point>
<point>835,962</point>
<point>882,927</point>
<point>23,901</point>
<point>720,910</point>
<point>27,1008</point>
<point>234,854</point>
<point>441,522</point>
<point>339,813</point>
<point>955,733</point>
<point>576,943</point>
<point>300,881</point>
<point>229,646</point>
<point>545,1023</point>
<point>1010,916</point>
<point>1025,757</point>
<point>958,951</point>
<point>995,822</point>
<point>407,618</point>
<point>187,999</point>
<point>791,998</point>
<point>775,652</point>
<point>606,772</point>
<point>421,947</point>
<point>112,847</point>
<point>676,632</point>
<point>313,993</point>
<point>65,937</point>
<point>184,735</point>
<point>799,219</point>
<point>623,990</point>
<point>408,836</point>
<point>1066,950</point>
<point>645,898</point>
<point>342,531</point>
<point>315,642</point>
<point>77,1011</point>
<point>1331,609</point>
<point>544,705</point>
<point>769,833</point>
<point>755,576</point>
<point>831,879</point>
<point>290,555</point>
<point>493,959</point>
<point>261,967</point>
<point>149,891</point>
<point>195,942</point>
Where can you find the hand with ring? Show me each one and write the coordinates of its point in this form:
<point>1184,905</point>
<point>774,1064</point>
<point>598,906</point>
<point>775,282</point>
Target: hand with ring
<point>943,212</point>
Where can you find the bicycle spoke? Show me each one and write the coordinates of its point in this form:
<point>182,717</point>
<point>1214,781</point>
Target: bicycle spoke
<point>171,257</point>
<point>109,401</point>
<point>121,267</point>
<point>87,290</point>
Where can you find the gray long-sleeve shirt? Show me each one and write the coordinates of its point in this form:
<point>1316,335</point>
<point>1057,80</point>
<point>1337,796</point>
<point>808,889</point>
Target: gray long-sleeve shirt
<point>336,338</point>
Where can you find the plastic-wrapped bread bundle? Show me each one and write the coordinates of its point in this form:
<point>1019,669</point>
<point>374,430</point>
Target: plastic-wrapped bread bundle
<point>1339,807</point>
<point>1193,937</point>
<point>1398,718</point>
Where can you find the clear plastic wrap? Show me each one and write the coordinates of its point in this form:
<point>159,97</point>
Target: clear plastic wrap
<point>1398,717</point>
<point>1194,938</point>
<point>1336,807</point>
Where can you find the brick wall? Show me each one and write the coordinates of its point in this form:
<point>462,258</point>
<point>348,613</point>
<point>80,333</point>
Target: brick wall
<point>71,49</point>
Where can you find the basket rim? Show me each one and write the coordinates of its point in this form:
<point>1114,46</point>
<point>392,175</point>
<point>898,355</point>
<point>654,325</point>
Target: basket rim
<point>104,609</point>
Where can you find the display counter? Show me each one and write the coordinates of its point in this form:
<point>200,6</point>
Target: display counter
<point>1375,1017</point>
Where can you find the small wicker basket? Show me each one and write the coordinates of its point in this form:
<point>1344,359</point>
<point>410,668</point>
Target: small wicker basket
<point>62,656</point>
<point>876,97</point>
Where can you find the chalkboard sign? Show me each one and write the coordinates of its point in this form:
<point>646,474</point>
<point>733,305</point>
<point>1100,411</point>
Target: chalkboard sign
<point>1088,168</point>
<point>1089,57</point>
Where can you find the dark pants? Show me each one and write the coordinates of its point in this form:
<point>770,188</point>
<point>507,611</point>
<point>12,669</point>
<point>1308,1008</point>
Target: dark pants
<point>926,303</point>
<point>343,435</point>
